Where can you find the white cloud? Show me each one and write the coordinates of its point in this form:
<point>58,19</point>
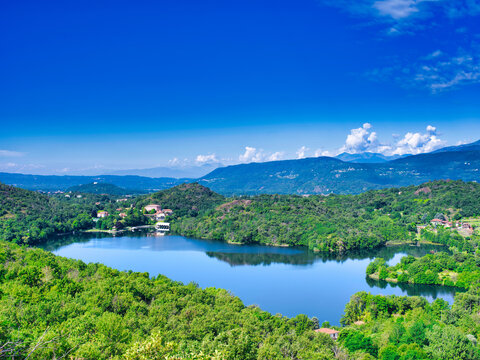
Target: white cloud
<point>437,72</point>
<point>276,156</point>
<point>417,143</point>
<point>251,154</point>
<point>321,152</point>
<point>301,152</point>
<point>444,72</point>
<point>203,159</point>
<point>397,9</point>
<point>10,153</point>
<point>362,140</point>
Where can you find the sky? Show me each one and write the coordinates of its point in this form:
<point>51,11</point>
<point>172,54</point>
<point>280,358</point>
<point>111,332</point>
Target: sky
<point>96,85</point>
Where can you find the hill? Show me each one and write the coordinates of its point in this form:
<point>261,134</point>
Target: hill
<point>102,188</point>
<point>184,200</point>
<point>333,223</point>
<point>366,157</point>
<point>55,182</point>
<point>28,217</point>
<point>324,175</point>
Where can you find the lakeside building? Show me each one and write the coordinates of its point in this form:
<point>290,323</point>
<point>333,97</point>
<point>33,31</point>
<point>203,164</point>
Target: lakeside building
<point>160,216</point>
<point>162,226</point>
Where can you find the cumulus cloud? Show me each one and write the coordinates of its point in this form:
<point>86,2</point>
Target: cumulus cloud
<point>278,155</point>
<point>362,140</point>
<point>203,159</point>
<point>10,153</point>
<point>417,143</point>
<point>321,152</point>
<point>301,152</point>
<point>252,154</point>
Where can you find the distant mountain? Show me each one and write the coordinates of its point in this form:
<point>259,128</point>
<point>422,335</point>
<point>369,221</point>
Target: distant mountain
<point>171,172</point>
<point>56,182</point>
<point>324,175</point>
<point>367,157</point>
<point>103,188</point>
<point>475,146</point>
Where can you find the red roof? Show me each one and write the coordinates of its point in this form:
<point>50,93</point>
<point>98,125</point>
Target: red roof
<point>327,331</point>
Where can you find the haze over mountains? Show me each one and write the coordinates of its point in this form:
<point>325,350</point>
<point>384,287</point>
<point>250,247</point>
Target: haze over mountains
<point>320,175</point>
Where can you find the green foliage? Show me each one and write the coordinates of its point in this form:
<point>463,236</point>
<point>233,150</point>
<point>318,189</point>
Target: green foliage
<point>460,269</point>
<point>323,223</point>
<point>66,307</point>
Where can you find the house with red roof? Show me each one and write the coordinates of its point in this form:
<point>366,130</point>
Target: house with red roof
<point>331,332</point>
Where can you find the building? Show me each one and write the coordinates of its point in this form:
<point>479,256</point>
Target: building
<point>102,214</point>
<point>466,226</point>
<point>152,207</point>
<point>167,211</point>
<point>436,222</point>
<point>160,216</point>
<point>122,215</point>
<point>162,226</point>
<point>331,332</point>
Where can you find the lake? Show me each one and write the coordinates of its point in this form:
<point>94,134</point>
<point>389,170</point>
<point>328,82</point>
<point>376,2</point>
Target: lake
<point>289,281</point>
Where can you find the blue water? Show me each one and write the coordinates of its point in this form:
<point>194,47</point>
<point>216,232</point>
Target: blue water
<point>289,281</point>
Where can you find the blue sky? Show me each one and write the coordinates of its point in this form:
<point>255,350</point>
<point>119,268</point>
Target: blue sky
<point>117,85</point>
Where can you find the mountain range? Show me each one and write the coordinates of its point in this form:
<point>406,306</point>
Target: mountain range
<point>367,157</point>
<point>320,175</point>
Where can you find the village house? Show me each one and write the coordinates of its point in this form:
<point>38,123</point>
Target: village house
<point>436,222</point>
<point>167,211</point>
<point>102,214</point>
<point>152,207</point>
<point>331,332</point>
<point>122,215</point>
<point>160,216</point>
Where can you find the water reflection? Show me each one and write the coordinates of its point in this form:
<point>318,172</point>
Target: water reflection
<point>280,280</point>
<point>432,291</point>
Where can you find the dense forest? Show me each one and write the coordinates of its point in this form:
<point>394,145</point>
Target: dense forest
<point>28,217</point>
<point>334,223</point>
<point>409,328</point>
<point>329,223</point>
<point>52,308</point>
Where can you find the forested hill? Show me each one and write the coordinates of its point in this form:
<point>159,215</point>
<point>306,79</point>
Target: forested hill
<point>331,223</point>
<point>15,201</point>
<point>184,199</point>
<point>27,216</point>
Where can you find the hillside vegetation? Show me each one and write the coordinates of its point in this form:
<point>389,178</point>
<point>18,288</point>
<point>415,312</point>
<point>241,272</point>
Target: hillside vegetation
<point>330,223</point>
<point>52,308</point>
<point>28,217</point>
